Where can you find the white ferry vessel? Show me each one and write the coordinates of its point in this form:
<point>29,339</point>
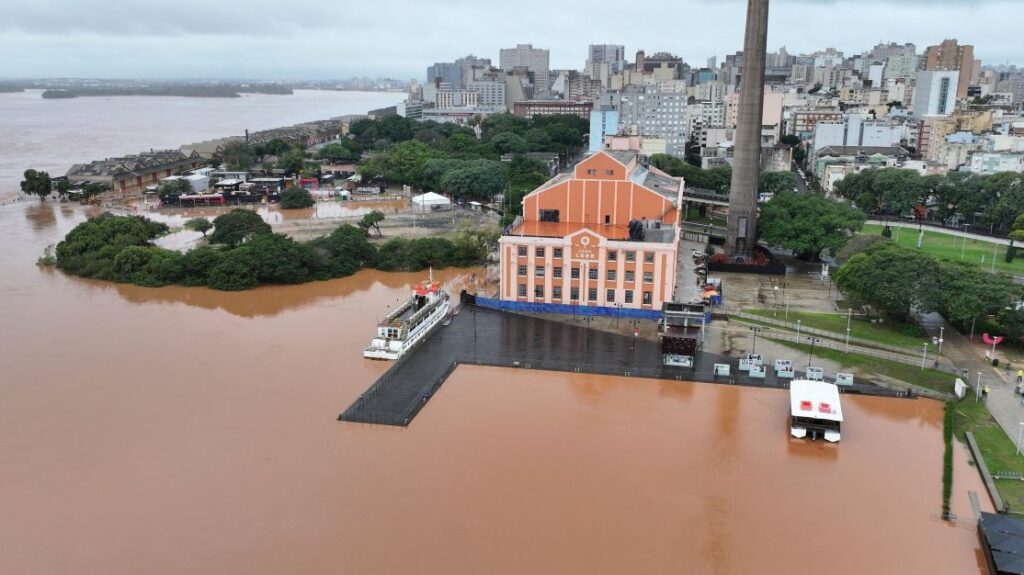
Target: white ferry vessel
<point>411,322</point>
<point>814,410</point>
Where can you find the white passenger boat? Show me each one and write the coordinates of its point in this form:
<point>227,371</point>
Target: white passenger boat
<point>815,410</point>
<point>411,322</point>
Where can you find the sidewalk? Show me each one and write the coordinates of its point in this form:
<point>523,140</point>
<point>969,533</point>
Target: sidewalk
<point>1002,402</point>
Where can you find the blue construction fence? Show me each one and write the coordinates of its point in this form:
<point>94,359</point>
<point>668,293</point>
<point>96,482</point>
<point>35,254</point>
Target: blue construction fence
<point>584,310</point>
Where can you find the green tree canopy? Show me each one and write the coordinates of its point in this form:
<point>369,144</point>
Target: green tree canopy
<point>807,224</point>
<point>238,155</point>
<point>334,152</point>
<point>36,184</point>
<point>480,180</point>
<point>201,225</point>
<point>776,183</point>
<point>372,220</point>
<point>296,197</point>
<point>969,292</point>
<point>237,226</point>
<point>893,280</point>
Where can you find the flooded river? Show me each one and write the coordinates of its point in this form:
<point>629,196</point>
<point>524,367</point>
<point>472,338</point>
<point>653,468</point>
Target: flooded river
<point>174,430</point>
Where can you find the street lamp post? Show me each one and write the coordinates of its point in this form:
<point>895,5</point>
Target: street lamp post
<point>810,356</point>
<point>924,355</point>
<point>977,388</point>
<point>798,329</point>
<point>942,330</point>
<point>847,340</point>
<point>787,307</point>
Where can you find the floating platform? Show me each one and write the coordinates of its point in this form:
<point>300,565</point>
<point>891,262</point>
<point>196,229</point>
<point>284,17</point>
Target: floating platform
<point>481,336</point>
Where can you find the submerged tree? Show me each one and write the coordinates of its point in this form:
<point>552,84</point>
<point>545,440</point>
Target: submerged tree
<point>36,184</point>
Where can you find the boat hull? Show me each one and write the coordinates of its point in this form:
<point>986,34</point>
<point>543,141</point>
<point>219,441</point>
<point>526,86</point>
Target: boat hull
<point>391,350</point>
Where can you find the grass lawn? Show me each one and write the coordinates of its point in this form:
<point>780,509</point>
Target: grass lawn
<point>950,247</point>
<point>887,333</point>
<point>998,450</point>
<point>927,378</point>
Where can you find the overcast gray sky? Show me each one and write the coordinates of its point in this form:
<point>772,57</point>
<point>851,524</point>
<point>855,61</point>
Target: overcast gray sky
<point>293,39</point>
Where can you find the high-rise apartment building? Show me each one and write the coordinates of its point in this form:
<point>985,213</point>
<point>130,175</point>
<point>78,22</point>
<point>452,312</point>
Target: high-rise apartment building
<point>448,73</point>
<point>535,60</point>
<point>935,93</point>
<point>603,60</point>
<point>949,55</point>
<point>648,111</point>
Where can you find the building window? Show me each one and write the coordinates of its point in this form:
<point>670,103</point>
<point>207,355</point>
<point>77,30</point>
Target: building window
<point>539,271</point>
<point>522,251</point>
<point>629,296</point>
<point>591,172</point>
<point>630,276</point>
<point>522,270</point>
<point>592,273</point>
<point>649,257</point>
<point>557,272</point>
<point>648,277</point>
<point>522,290</point>
<point>575,273</point>
<point>556,292</point>
<point>558,252</point>
<point>630,256</point>
<point>574,294</point>
<point>592,294</point>
<point>613,255</point>
<point>610,296</point>
<point>538,291</point>
<point>609,172</point>
<point>611,275</point>
<point>549,215</point>
<point>540,252</point>
<point>647,297</point>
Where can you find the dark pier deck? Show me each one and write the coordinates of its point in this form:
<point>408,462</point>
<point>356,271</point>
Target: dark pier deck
<point>480,336</point>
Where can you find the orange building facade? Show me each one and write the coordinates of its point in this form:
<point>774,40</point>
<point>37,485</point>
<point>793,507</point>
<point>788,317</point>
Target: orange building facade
<point>575,244</point>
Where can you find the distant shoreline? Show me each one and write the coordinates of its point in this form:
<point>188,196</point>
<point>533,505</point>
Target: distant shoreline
<point>179,91</point>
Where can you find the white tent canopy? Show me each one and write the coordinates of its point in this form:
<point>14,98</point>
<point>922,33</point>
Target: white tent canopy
<point>429,200</point>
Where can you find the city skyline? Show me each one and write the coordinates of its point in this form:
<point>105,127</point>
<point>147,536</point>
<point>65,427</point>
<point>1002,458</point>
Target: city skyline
<point>60,38</point>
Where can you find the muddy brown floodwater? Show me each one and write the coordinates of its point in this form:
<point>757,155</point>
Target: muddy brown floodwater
<point>168,431</point>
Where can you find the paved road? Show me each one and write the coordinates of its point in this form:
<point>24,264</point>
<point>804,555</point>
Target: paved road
<point>1003,402</point>
<point>801,186</point>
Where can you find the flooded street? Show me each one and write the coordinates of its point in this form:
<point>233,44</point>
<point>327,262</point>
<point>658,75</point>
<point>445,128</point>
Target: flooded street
<point>184,430</point>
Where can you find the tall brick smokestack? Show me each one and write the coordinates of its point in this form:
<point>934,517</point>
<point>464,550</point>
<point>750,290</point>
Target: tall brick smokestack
<point>746,165</point>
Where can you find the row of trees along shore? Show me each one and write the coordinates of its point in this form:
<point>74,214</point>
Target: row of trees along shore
<point>244,252</point>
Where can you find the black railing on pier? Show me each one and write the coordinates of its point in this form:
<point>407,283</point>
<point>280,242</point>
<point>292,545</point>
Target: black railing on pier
<point>481,336</point>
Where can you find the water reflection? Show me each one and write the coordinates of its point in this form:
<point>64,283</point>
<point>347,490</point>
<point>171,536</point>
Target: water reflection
<point>269,301</point>
<point>42,215</point>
